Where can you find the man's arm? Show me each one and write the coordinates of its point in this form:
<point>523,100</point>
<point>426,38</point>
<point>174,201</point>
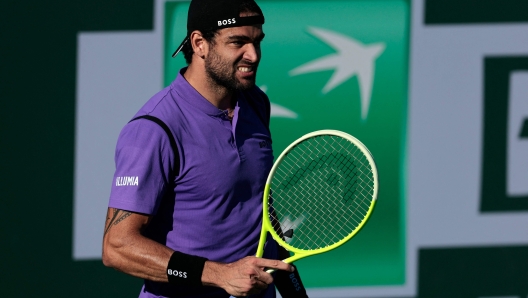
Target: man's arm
<point>127,250</point>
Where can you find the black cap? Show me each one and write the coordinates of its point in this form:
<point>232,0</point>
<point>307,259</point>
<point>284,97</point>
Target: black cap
<point>206,15</point>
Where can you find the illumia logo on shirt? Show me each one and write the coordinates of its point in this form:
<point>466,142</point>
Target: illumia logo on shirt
<point>127,181</point>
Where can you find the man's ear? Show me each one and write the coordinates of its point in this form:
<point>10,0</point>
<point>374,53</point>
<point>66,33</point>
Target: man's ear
<point>199,44</point>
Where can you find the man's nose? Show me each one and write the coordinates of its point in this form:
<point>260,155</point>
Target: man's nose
<point>252,53</point>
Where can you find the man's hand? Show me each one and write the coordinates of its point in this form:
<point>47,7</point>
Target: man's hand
<point>244,277</point>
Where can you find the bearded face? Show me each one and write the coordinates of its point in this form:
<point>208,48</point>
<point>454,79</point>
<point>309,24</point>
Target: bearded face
<point>231,73</point>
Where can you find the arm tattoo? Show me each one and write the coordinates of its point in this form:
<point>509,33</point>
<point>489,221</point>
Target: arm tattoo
<point>119,215</point>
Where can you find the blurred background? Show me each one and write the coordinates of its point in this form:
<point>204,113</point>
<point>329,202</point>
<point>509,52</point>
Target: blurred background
<point>436,89</point>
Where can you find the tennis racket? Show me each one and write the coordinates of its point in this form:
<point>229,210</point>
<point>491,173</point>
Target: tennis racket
<point>319,193</point>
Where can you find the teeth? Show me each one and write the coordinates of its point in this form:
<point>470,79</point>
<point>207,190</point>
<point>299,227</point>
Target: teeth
<point>244,69</point>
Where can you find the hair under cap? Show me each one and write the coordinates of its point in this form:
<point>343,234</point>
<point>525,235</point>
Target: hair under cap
<point>206,15</point>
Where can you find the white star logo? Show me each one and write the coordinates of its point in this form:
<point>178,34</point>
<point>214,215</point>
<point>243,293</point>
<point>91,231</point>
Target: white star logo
<point>352,58</point>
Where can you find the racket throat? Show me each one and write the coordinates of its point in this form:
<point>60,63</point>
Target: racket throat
<point>262,242</point>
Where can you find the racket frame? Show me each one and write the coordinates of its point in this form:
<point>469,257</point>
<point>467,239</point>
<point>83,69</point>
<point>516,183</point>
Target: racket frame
<point>266,223</point>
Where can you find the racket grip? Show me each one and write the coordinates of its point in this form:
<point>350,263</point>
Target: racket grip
<point>289,284</point>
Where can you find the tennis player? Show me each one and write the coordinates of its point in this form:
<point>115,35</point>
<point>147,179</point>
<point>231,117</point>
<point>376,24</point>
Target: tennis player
<point>185,209</point>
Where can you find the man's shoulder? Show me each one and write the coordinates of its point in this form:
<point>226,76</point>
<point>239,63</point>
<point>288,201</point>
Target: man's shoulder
<point>259,103</point>
<point>159,101</point>
<point>256,93</point>
<point>257,98</point>
<point>165,105</point>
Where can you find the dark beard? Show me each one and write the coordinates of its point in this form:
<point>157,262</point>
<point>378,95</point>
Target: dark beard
<point>222,74</point>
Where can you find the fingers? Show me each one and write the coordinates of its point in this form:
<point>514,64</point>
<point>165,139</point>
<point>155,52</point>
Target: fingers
<point>243,277</point>
<point>249,286</point>
<point>261,272</point>
<point>274,264</point>
<point>252,269</point>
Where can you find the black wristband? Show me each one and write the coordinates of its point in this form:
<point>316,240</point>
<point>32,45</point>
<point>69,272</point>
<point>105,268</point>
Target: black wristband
<point>184,269</point>
<point>289,284</point>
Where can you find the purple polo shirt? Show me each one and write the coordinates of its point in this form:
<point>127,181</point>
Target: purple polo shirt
<point>214,208</point>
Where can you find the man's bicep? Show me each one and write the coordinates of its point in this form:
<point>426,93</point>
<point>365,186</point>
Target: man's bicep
<point>123,222</point>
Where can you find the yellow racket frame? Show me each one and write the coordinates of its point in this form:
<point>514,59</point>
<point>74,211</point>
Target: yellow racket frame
<point>266,223</point>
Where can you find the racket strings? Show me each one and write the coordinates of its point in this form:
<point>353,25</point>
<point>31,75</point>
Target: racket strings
<point>321,192</point>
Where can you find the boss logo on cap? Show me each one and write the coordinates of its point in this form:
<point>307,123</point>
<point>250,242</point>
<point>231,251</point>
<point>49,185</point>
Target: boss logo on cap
<point>227,22</point>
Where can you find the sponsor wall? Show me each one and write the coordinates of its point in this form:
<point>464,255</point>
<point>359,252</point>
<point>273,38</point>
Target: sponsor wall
<point>436,89</point>
<point>467,186</point>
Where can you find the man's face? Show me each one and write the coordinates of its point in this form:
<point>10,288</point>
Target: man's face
<point>234,56</point>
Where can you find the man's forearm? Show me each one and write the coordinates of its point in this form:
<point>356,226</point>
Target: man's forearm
<point>127,250</point>
<point>138,256</point>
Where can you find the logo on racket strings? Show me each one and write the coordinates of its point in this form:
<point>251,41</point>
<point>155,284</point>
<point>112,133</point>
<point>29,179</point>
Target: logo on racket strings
<point>288,225</point>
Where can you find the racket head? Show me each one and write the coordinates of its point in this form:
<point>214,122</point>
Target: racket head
<point>320,192</point>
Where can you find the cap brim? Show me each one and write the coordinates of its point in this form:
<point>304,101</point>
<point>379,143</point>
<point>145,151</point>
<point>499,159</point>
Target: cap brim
<point>185,40</point>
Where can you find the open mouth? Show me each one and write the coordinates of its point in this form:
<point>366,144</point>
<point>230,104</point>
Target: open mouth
<point>245,69</point>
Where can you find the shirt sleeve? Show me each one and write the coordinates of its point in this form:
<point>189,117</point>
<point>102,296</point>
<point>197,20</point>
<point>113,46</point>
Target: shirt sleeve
<point>143,160</point>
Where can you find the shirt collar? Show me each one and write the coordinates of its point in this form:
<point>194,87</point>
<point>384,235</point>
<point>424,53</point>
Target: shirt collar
<point>185,91</point>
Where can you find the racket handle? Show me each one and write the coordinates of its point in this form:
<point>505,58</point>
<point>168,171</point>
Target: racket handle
<point>289,284</point>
